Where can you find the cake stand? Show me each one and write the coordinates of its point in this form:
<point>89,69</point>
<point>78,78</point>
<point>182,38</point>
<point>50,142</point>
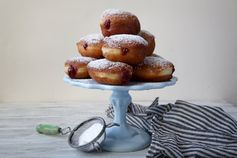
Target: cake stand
<point>122,138</point>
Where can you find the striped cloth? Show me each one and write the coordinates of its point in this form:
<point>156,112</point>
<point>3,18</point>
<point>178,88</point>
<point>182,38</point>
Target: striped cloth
<point>184,129</point>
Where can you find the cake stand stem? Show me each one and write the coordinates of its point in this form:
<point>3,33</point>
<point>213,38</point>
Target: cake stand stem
<point>120,101</point>
<point>124,137</point>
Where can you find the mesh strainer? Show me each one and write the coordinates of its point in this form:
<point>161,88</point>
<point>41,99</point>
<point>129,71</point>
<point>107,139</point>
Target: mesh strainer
<point>97,137</point>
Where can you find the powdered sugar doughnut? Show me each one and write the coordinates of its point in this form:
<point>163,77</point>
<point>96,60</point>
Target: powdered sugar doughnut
<point>115,21</point>
<point>150,39</point>
<point>76,67</point>
<point>125,48</point>
<point>153,69</point>
<point>108,72</point>
<point>90,46</point>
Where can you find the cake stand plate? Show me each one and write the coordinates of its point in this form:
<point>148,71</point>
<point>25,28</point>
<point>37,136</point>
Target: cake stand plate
<point>122,138</point>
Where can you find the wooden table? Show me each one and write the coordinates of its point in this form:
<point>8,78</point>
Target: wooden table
<point>18,137</point>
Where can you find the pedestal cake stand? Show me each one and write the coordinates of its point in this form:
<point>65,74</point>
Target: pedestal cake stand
<point>124,137</point>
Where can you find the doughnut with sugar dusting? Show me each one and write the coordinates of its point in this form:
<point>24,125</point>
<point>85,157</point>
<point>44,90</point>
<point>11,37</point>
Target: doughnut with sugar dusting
<point>76,67</point>
<point>109,72</point>
<point>125,48</point>
<point>115,21</point>
<point>150,39</point>
<point>153,69</point>
<point>90,46</point>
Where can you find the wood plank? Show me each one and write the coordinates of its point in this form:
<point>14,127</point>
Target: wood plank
<point>18,137</point>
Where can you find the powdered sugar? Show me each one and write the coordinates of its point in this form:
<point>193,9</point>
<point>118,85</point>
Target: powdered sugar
<point>92,38</point>
<point>117,40</point>
<point>156,61</point>
<point>117,12</point>
<point>81,59</point>
<point>102,64</point>
<point>90,134</point>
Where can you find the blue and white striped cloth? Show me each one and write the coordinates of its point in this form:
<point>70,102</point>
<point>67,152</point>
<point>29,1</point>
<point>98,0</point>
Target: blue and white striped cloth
<point>184,129</point>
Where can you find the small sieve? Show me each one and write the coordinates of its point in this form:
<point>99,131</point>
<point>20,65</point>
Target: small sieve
<point>98,136</point>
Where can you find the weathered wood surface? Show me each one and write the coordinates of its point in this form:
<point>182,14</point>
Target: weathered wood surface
<point>18,137</point>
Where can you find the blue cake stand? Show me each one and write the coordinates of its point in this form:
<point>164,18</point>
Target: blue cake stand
<point>122,138</point>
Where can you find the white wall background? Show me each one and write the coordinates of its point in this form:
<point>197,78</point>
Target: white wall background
<point>37,36</point>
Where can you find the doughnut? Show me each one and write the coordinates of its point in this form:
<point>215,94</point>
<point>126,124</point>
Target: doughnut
<point>125,48</point>
<point>109,72</point>
<point>115,21</point>
<point>90,46</point>
<point>150,39</point>
<point>153,69</point>
<point>76,67</point>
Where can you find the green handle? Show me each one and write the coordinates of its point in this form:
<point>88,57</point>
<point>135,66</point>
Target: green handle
<point>48,129</point>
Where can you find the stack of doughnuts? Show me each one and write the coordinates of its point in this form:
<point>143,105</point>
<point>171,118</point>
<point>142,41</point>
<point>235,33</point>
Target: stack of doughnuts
<point>123,52</point>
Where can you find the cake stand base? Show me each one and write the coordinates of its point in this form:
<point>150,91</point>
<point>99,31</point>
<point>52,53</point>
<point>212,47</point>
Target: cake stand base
<point>124,137</point>
<point>121,140</point>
